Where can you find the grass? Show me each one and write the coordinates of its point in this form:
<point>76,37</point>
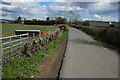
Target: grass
<point>30,66</point>
<point>9,29</point>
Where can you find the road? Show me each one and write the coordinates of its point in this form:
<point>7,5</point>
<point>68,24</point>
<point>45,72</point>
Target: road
<point>86,58</point>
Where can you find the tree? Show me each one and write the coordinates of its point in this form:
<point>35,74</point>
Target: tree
<point>47,18</point>
<point>74,17</point>
<point>24,19</point>
<point>85,23</point>
<point>18,20</point>
<point>61,20</point>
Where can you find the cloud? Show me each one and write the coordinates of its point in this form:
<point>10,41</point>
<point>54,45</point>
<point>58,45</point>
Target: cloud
<point>65,7</point>
<point>60,0</point>
<point>91,9</point>
<point>31,9</point>
<point>103,18</point>
<point>6,17</point>
<point>103,7</point>
<point>8,7</point>
<point>98,17</point>
<point>27,0</point>
<point>98,7</point>
<point>86,0</point>
<point>7,3</point>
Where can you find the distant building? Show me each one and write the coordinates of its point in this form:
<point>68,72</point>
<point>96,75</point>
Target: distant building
<point>99,23</point>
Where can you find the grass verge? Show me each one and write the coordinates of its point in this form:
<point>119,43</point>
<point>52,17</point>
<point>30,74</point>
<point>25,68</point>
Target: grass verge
<point>30,66</point>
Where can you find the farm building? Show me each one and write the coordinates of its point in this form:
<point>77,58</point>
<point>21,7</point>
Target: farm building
<point>99,23</point>
<point>103,23</point>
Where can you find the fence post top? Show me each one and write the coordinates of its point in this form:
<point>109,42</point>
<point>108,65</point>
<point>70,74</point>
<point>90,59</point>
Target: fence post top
<point>13,36</point>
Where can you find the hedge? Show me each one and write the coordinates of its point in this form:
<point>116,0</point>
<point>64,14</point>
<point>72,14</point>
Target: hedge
<point>108,34</point>
<point>39,22</point>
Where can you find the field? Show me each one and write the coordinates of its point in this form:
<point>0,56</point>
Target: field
<point>9,29</point>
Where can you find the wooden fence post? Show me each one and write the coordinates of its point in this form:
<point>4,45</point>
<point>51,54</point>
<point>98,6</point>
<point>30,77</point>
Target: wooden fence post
<point>49,33</point>
<point>10,45</point>
<point>20,40</point>
<point>28,37</point>
<point>33,35</point>
<point>1,47</point>
<point>20,46</point>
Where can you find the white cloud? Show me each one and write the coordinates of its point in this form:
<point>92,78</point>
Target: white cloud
<point>27,10</point>
<point>28,0</point>
<point>102,7</point>
<point>5,13</point>
<point>98,17</point>
<point>18,0</point>
<point>60,0</point>
<point>65,6</point>
<point>6,17</point>
<point>86,0</point>
<point>32,10</point>
<point>8,7</point>
<point>110,19</point>
<point>103,18</point>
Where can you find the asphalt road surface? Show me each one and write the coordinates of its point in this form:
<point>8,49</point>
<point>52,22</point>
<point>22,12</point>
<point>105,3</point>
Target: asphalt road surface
<point>86,58</point>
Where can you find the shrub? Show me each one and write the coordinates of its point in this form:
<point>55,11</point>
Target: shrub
<point>85,23</point>
<point>63,26</point>
<point>109,35</point>
<point>112,25</point>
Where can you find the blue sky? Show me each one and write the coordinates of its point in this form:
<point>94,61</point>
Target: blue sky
<point>105,11</point>
<point>45,3</point>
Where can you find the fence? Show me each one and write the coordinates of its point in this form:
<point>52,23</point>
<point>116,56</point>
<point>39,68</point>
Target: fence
<point>24,44</point>
<point>11,46</point>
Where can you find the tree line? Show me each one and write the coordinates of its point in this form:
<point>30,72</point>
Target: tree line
<point>48,21</point>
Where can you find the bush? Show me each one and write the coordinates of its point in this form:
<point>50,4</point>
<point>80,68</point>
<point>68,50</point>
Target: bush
<point>63,26</point>
<point>78,26</point>
<point>85,23</point>
<point>109,35</point>
<point>112,25</point>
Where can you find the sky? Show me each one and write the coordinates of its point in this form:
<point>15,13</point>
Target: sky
<point>31,9</point>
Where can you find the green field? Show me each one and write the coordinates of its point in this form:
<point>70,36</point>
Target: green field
<point>9,29</point>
